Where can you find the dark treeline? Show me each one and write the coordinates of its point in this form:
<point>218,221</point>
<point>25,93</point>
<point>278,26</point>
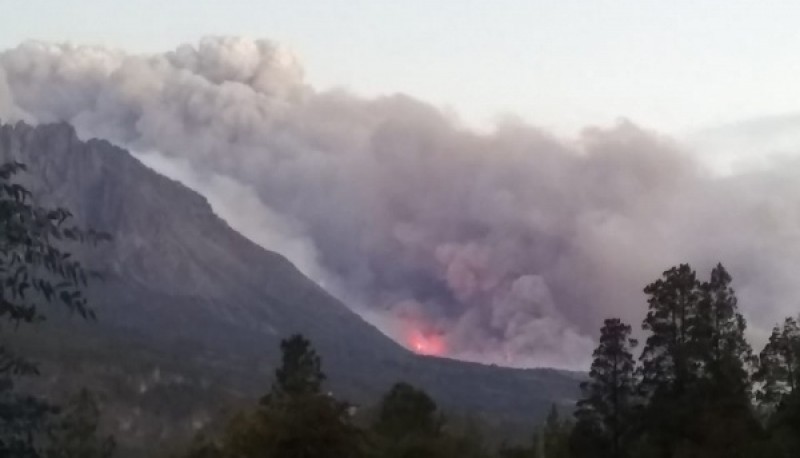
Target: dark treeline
<point>695,389</point>
<point>297,418</point>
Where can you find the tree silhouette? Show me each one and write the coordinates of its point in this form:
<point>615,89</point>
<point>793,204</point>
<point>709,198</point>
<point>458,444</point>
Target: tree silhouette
<point>295,419</point>
<point>604,412</point>
<point>405,410</point>
<point>300,372</point>
<point>725,356</point>
<point>779,364</point>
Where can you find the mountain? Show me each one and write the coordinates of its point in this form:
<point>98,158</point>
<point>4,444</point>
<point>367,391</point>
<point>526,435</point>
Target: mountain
<point>190,312</point>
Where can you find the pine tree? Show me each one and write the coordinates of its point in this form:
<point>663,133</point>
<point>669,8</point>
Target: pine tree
<point>724,422</point>
<point>552,440</point>
<point>295,419</point>
<point>408,424</point>
<point>605,409</point>
<point>779,393</point>
<point>671,364</point>
<point>695,376</point>
<point>300,372</point>
<point>668,365</point>
<point>405,410</point>
<point>779,364</point>
<point>724,354</point>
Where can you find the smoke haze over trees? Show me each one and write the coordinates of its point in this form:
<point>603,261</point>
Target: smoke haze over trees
<point>506,247</point>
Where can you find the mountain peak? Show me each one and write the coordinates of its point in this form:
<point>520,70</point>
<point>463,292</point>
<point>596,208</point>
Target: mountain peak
<point>185,292</point>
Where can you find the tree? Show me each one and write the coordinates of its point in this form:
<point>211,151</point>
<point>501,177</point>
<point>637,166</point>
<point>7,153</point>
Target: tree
<point>667,363</point>
<point>295,419</point>
<point>407,424</point>
<point>604,412</point>
<point>405,410</point>
<point>464,438</point>
<point>695,371</point>
<point>34,270</point>
<point>75,434</point>
<point>203,447</point>
<point>22,420</point>
<point>552,440</point>
<point>779,364</point>
<point>779,377</point>
<point>300,372</point>
<point>724,423</point>
<point>724,354</point>
<point>695,367</point>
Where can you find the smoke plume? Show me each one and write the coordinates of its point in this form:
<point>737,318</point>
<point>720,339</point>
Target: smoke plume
<point>506,247</point>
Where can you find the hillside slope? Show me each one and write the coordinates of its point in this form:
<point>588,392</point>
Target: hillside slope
<point>191,312</point>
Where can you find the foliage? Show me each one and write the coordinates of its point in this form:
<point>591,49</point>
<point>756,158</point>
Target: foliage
<point>667,363</point>
<point>294,420</point>
<point>779,364</point>
<point>407,424</point>
<point>305,426</point>
<point>695,363</point>
<point>725,356</point>
<point>689,395</point>
<point>34,270</point>
<point>778,376</point>
<point>301,369</point>
<point>605,410</point>
<point>406,411</point>
<point>75,433</point>
<point>22,421</point>
<point>553,438</point>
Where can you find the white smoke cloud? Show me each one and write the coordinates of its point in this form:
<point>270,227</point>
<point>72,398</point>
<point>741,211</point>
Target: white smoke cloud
<point>509,246</point>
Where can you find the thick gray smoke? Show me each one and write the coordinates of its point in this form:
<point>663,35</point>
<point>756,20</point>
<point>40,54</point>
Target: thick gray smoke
<point>507,247</point>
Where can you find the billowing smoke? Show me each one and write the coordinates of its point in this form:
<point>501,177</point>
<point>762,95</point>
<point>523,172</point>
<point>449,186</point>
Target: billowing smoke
<point>506,247</point>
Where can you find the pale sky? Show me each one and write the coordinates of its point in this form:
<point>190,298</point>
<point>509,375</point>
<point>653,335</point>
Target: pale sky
<point>674,66</point>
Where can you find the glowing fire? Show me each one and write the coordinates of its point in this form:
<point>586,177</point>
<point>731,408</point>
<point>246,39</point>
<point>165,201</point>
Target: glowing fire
<point>426,344</point>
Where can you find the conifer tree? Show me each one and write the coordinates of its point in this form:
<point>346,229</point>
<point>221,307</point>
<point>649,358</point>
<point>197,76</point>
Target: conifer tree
<point>668,364</point>
<point>295,419</point>
<point>724,422</point>
<point>300,372</point>
<point>408,424</point>
<point>606,407</point>
<point>724,354</point>
<point>779,364</point>
<point>695,376</point>
<point>552,440</point>
<point>779,393</point>
<point>670,361</point>
<point>405,410</point>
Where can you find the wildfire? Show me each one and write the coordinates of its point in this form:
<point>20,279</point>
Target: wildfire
<point>426,344</point>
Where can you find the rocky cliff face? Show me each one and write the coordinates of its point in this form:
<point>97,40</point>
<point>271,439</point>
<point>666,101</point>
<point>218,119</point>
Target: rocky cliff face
<point>191,312</point>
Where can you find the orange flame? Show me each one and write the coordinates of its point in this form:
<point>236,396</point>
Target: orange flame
<point>426,344</point>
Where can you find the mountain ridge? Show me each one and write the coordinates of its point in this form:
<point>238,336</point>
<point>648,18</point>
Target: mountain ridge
<point>184,288</point>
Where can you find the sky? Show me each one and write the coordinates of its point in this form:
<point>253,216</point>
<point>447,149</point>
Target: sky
<point>677,66</point>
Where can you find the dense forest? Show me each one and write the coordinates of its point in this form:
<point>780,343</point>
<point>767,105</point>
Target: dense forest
<point>695,389</point>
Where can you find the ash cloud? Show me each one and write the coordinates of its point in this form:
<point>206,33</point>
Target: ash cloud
<point>509,246</point>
